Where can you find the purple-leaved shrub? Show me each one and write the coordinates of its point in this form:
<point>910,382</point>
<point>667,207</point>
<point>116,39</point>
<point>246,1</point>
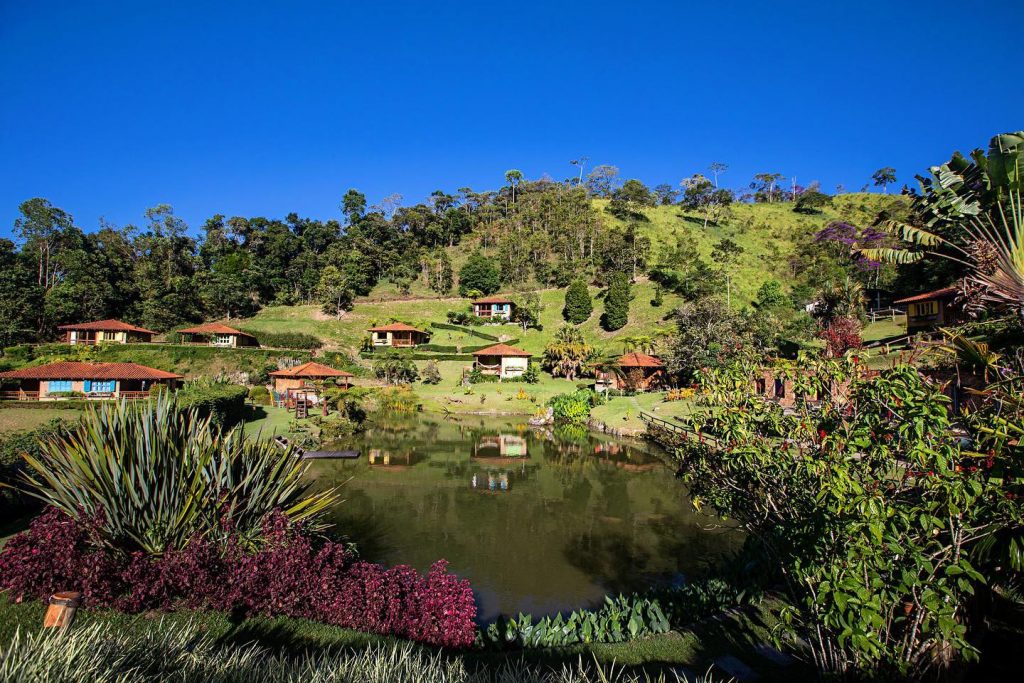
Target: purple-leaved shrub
<point>290,574</point>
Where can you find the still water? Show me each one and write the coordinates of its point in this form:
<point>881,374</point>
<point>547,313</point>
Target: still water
<point>538,520</point>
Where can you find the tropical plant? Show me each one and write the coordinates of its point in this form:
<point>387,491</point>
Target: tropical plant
<point>394,367</point>
<point>568,354</point>
<point>620,618</point>
<point>866,505</point>
<point>971,213</point>
<point>159,476</point>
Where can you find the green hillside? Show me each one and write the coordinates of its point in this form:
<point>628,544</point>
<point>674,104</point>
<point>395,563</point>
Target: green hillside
<point>768,233</point>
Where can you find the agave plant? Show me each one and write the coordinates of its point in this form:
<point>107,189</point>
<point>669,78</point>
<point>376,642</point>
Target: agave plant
<point>158,475</point>
<point>972,213</point>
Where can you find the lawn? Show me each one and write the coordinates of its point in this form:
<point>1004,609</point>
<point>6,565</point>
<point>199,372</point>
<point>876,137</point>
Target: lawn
<point>885,328</point>
<point>623,412</point>
<point>17,418</point>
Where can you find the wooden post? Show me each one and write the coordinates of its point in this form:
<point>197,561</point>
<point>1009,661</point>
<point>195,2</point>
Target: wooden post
<point>61,610</point>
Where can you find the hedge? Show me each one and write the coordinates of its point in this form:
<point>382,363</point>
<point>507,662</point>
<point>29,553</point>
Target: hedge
<point>223,403</point>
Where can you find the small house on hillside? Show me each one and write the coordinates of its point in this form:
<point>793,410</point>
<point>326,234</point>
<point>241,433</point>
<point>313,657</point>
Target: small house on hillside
<point>73,379</point>
<point>493,307</point>
<point>931,309</point>
<point>633,372</point>
<point>502,360</point>
<point>301,375</point>
<point>216,334</point>
<point>397,335</point>
<point>105,332</point>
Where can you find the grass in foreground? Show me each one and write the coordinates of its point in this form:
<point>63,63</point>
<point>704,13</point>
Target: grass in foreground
<point>148,641</point>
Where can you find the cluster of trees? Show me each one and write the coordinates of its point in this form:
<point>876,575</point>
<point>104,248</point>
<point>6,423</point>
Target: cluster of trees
<point>161,273</point>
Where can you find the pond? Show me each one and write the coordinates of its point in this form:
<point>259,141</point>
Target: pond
<point>538,520</point>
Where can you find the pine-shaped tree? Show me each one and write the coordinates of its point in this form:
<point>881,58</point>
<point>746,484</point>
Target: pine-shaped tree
<point>616,303</point>
<point>578,305</point>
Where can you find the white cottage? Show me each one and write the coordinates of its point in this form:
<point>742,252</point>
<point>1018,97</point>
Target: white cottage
<point>502,360</point>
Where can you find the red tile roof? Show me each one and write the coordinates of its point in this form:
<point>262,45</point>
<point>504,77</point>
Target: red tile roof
<point>503,350</point>
<point>493,300</point>
<point>944,293</point>
<point>107,326</point>
<point>68,369</point>
<point>396,327</point>
<point>311,369</point>
<point>214,328</point>
<point>639,360</point>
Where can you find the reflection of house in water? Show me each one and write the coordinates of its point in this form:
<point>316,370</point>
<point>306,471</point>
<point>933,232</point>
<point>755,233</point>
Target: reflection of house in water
<point>491,482</point>
<point>383,457</point>
<point>510,446</point>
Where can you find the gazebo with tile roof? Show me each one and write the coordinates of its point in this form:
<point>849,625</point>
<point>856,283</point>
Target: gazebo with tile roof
<point>301,375</point>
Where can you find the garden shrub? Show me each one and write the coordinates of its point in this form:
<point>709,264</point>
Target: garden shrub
<point>621,618</point>
<point>574,407</point>
<point>223,403</point>
<point>259,395</point>
<point>291,574</point>
<point>431,373</point>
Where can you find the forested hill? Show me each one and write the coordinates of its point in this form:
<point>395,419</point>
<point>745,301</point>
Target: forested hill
<point>529,235</point>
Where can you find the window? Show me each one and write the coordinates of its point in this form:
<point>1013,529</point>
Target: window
<point>58,386</point>
<point>926,309</point>
<point>222,340</point>
<point>104,387</point>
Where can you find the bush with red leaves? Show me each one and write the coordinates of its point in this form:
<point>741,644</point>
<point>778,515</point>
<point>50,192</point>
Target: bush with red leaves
<point>291,574</point>
<point>841,335</point>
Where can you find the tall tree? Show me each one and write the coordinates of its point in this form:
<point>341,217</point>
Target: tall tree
<point>513,177</point>
<point>717,168</point>
<point>578,305</point>
<point>479,274</point>
<point>353,206</point>
<point>334,293</point>
<point>616,303</point>
<point>884,177</point>
<point>725,253</point>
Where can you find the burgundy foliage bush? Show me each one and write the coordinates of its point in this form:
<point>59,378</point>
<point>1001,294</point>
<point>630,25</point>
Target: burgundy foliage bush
<point>291,575</point>
<point>841,335</point>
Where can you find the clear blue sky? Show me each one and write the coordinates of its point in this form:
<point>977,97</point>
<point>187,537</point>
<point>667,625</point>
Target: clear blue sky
<point>262,108</point>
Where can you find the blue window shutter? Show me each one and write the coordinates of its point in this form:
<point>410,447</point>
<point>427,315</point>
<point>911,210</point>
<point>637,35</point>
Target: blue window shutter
<point>88,385</point>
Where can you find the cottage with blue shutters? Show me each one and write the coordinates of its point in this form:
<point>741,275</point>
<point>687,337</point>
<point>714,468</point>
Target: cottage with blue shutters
<point>493,308</point>
<point>73,379</point>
